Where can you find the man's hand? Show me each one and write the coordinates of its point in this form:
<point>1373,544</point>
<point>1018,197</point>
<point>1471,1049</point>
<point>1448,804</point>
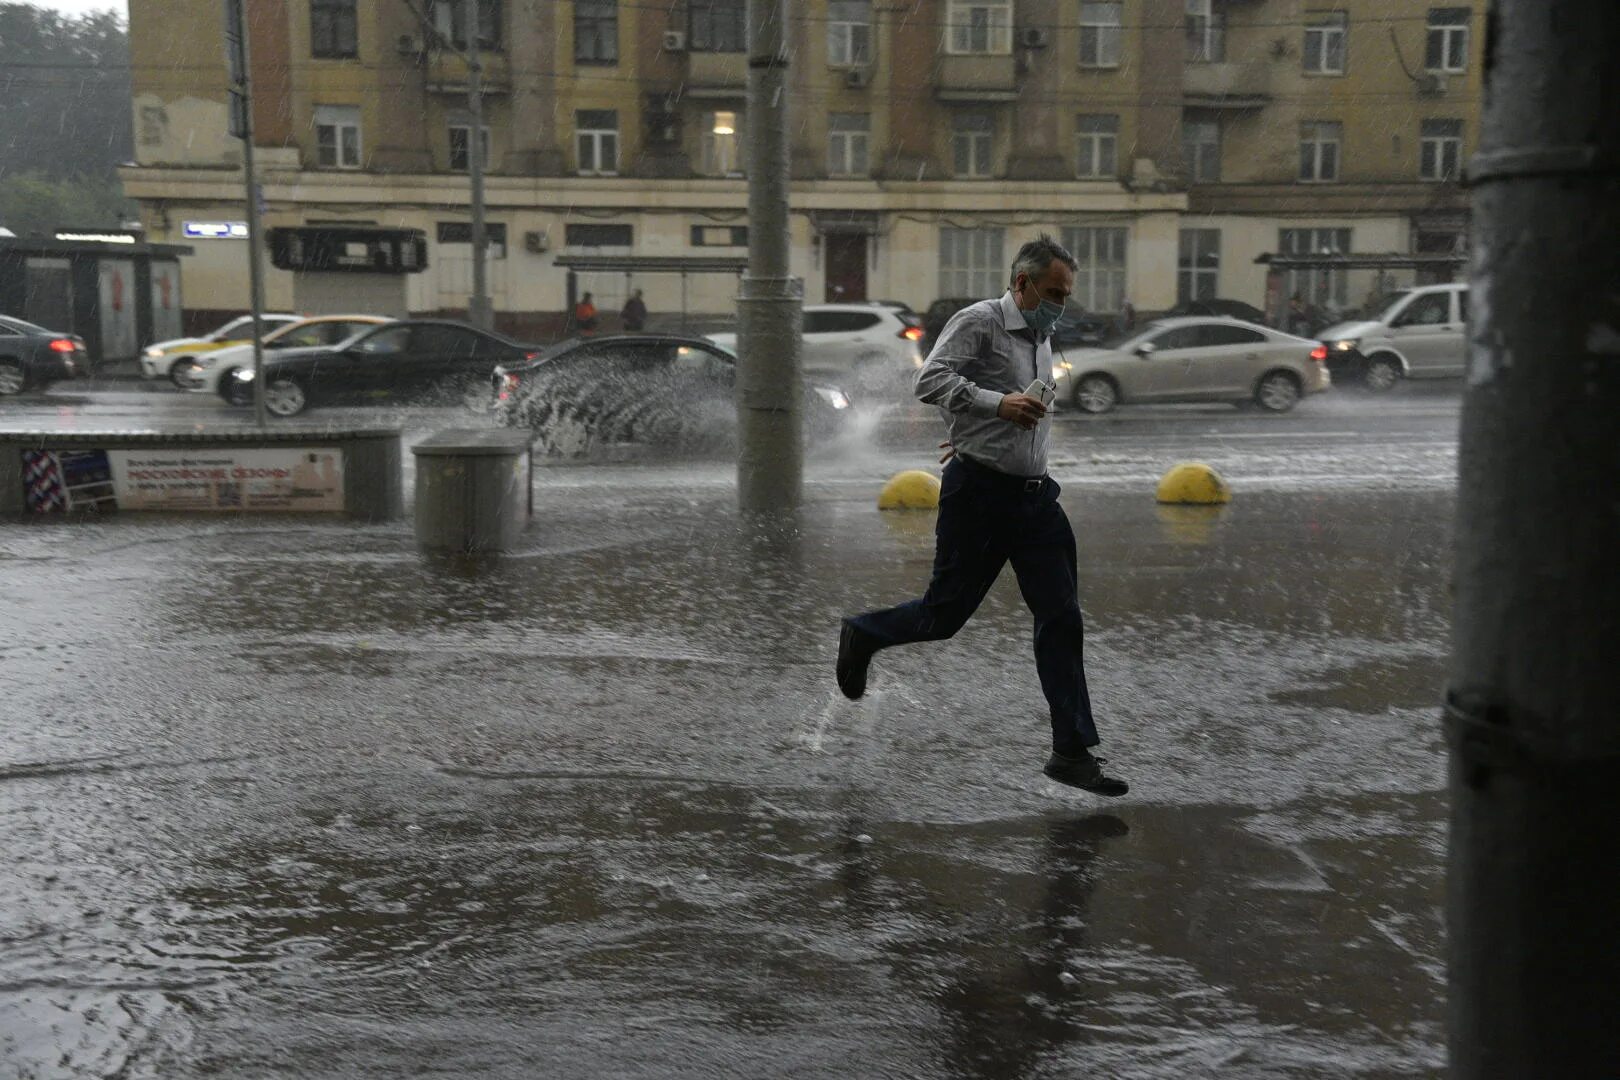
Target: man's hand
<point>950,452</point>
<point>1021,409</point>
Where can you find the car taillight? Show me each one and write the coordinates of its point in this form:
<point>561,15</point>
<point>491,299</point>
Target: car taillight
<point>912,333</point>
<point>531,356</point>
<point>1319,354</point>
<point>62,344</point>
<point>509,383</point>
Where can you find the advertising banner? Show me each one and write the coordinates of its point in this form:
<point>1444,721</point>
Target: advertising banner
<point>289,479</point>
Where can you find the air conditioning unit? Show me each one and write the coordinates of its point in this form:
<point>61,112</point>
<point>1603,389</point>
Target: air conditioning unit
<point>1433,84</point>
<point>1032,37</point>
<point>537,243</point>
<point>674,41</point>
<point>856,78</point>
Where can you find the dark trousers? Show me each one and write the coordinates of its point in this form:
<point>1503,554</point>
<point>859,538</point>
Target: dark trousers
<point>987,519</point>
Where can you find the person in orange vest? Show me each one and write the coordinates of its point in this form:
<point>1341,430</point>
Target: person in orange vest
<point>585,316</point>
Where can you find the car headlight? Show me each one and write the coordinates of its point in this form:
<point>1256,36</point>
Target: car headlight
<point>1346,345</point>
<point>833,396</point>
<point>152,352</point>
<point>244,375</point>
<point>918,362</point>
<point>1064,365</point>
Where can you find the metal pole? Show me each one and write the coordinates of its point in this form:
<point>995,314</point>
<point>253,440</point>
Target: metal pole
<point>770,409</point>
<point>238,60</point>
<point>1533,704</point>
<point>480,313</point>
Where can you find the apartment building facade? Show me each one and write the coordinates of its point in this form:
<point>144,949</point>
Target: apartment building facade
<point>1166,141</point>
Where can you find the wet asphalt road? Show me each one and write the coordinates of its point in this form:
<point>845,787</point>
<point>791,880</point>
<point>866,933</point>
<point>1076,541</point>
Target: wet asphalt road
<point>285,798</point>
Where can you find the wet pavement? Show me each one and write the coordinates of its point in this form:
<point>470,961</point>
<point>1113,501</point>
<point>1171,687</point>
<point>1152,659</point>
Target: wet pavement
<point>287,798</point>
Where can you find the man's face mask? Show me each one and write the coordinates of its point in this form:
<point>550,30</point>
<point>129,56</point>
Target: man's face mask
<point>1046,314</point>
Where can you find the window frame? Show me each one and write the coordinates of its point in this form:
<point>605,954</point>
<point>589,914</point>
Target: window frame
<point>1103,36</point>
<point>1093,142</point>
<point>705,17</point>
<point>602,29</point>
<point>1326,25</point>
<point>1206,32</point>
<point>466,145</point>
<point>997,28</point>
<point>843,144</point>
<point>711,143</point>
<point>1191,267</point>
<point>1193,151</point>
<point>1103,276</point>
<point>1327,286</point>
<point>335,13</point>
<point>843,32</point>
<point>1315,135</point>
<point>984,271</point>
<point>1432,169</point>
<point>348,121</point>
<point>599,137</point>
<point>455,34</point>
<point>973,140</point>
<point>1443,32</point>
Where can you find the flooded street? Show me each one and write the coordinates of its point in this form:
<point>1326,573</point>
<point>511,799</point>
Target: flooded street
<point>287,798</point>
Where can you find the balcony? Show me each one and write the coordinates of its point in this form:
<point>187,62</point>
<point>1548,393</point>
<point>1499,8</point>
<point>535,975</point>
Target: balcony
<point>447,73</point>
<point>716,75</point>
<point>1227,85</point>
<point>976,78</point>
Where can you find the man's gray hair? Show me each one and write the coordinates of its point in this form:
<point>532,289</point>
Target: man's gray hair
<point>1034,257</point>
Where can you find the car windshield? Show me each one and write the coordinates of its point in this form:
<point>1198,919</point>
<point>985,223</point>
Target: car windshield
<point>232,328</point>
<point>22,326</point>
<point>1381,308</point>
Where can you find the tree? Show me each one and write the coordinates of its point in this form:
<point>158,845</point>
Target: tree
<point>65,122</point>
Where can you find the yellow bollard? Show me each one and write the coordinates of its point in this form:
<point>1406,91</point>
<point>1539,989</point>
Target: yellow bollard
<point>1193,483</point>
<point>910,490</point>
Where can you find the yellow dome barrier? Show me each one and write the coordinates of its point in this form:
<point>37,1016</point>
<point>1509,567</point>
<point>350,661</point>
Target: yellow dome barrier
<point>910,490</point>
<point>1195,484</point>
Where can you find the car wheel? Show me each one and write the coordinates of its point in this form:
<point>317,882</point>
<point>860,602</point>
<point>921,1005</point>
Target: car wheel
<point>1383,372</point>
<point>12,379</point>
<point>1278,391</point>
<point>181,371</point>
<point>284,396</point>
<point>1096,394</point>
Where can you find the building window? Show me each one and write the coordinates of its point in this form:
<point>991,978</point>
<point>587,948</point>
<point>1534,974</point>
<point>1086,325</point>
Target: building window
<point>1446,48</point>
<point>1319,143</point>
<point>590,235</point>
<point>596,31</point>
<point>722,144</point>
<point>849,33</point>
<point>450,20</point>
<point>1201,150</point>
<point>332,29</point>
<point>979,26</point>
<point>1198,265</point>
<point>1100,34</point>
<point>971,263</point>
<point>847,135</point>
<point>596,135</point>
<point>1098,137</point>
<point>716,26</point>
<point>1318,288</point>
<point>972,144</point>
<point>1440,149</point>
<point>460,232</point>
<point>337,136</point>
<point>1325,43</point>
<point>719,236</point>
<point>1099,283</point>
<point>460,141</point>
<point>154,124</point>
<point>1206,33</point>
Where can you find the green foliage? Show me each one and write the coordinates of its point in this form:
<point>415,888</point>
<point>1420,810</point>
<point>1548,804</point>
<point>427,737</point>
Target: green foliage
<point>65,95</point>
<point>35,203</point>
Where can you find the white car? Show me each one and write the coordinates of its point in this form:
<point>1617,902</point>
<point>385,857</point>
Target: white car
<point>870,345</point>
<point>203,373</point>
<point>1421,333</point>
<point>157,360</point>
<point>1210,358</point>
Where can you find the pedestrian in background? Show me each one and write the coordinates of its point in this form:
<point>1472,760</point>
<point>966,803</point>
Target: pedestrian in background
<point>585,316</point>
<point>998,505</point>
<point>634,315</point>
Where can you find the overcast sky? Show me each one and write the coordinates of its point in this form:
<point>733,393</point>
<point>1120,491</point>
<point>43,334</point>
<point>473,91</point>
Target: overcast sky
<point>80,7</point>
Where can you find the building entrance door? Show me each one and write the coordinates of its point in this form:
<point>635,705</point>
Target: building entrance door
<point>846,267</point>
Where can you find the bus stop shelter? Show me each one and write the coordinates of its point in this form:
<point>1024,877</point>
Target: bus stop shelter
<point>1427,268</point>
<point>630,265</point>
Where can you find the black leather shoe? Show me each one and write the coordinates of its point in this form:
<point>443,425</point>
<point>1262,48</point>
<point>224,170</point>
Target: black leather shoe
<point>855,649</point>
<point>1083,772</point>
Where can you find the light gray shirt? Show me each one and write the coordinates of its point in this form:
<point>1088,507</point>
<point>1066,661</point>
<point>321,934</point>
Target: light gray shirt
<point>985,351</point>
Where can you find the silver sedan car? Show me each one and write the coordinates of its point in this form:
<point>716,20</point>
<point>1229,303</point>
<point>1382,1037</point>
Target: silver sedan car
<point>1194,359</point>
